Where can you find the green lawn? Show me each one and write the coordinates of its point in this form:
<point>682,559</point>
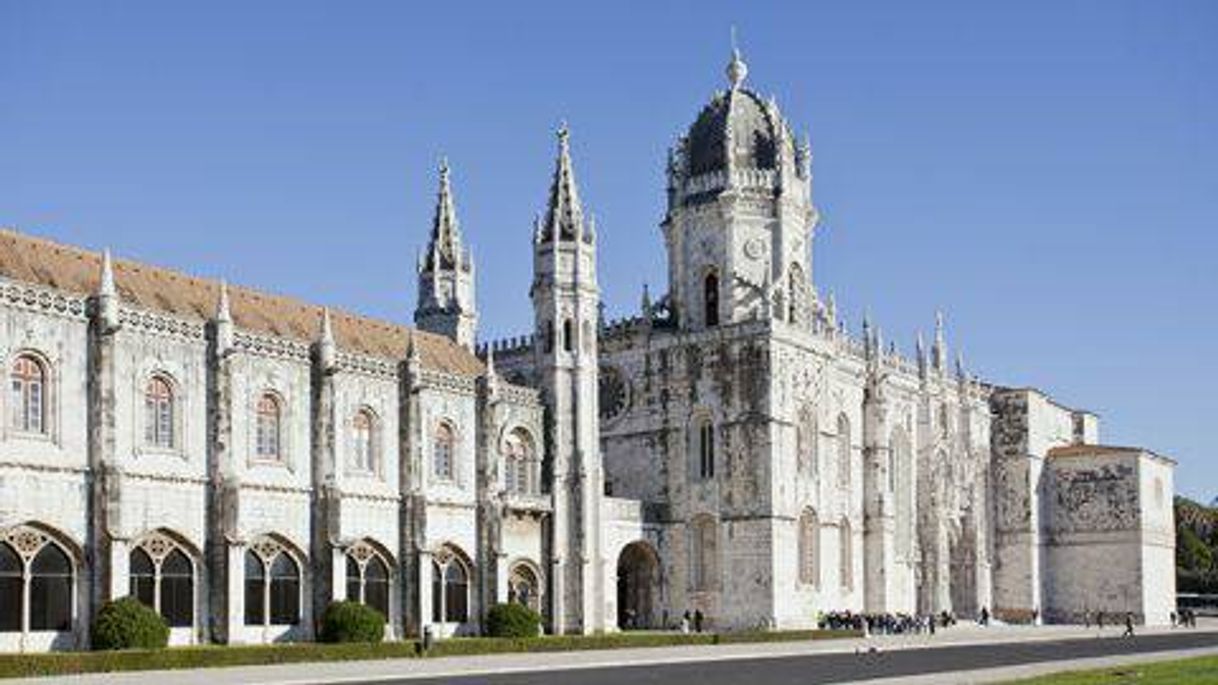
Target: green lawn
<point>1198,671</point>
<point>65,663</point>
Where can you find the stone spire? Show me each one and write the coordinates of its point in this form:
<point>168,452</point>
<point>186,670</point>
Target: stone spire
<point>564,217</point>
<point>446,303</point>
<point>107,294</point>
<point>920,351</point>
<point>444,249</point>
<point>939,350</point>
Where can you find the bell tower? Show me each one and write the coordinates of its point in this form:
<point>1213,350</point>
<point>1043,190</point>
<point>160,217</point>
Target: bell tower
<point>566,300</point>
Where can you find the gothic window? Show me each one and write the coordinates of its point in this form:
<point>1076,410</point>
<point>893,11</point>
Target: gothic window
<point>703,554</point>
<point>568,336</point>
<point>449,588</point>
<point>12,589</point>
<point>613,393</point>
<point>368,578</point>
<point>809,548</point>
<point>704,443</point>
<point>523,587</point>
<point>364,443</point>
<point>37,579</point>
<point>162,576</point>
<point>141,574</point>
<point>27,408</point>
<point>444,443</point>
<point>268,426</point>
<point>806,434</point>
<point>272,585</point>
<point>843,450</point>
<point>158,413</point>
<point>520,464</point>
<point>51,590</point>
<point>846,569</point>
<point>710,298</point>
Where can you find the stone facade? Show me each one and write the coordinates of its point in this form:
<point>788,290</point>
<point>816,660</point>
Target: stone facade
<point>240,460</point>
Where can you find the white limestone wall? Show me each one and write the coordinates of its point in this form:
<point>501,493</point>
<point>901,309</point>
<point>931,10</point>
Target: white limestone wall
<point>1157,492</point>
<point>43,477</point>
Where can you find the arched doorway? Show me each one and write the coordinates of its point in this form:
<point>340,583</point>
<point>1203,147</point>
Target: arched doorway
<point>638,587</point>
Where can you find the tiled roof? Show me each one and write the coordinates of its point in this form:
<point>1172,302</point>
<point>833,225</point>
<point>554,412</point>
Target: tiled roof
<point>75,270</point>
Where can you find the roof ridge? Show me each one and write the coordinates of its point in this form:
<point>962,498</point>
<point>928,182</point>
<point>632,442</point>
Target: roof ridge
<point>306,315</point>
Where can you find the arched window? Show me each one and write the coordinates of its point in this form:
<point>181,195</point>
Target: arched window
<point>523,587</point>
<point>449,588</point>
<point>269,424</point>
<point>12,589</point>
<point>710,298</point>
<point>809,548</point>
<point>443,445</point>
<point>162,576</point>
<point>704,447</point>
<point>28,401</point>
<point>285,591</point>
<point>272,585</point>
<point>703,553</point>
<point>37,580</point>
<point>51,590</point>
<point>568,336</point>
<point>158,413</point>
<point>519,464</point>
<point>368,578</point>
<point>846,570</point>
<point>843,450</point>
<point>806,434</point>
<point>177,595</point>
<point>142,576</point>
<point>364,433</point>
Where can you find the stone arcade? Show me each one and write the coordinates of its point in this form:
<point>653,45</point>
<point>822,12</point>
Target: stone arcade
<point>238,460</point>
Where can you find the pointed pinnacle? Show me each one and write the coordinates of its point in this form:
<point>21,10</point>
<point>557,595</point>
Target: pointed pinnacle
<point>106,287</point>
<point>223,311</point>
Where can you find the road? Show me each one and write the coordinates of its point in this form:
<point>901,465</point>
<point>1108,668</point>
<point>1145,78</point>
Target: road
<point>841,668</point>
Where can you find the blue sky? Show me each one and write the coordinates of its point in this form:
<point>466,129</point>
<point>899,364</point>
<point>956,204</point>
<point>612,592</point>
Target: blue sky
<point>1047,173</point>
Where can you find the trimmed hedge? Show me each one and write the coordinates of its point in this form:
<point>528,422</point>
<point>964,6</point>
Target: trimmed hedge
<point>512,620</point>
<point>351,622</point>
<point>67,663</point>
<point>127,623</point>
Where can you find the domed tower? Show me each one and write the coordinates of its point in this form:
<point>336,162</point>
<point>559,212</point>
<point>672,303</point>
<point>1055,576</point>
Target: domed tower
<point>740,216</point>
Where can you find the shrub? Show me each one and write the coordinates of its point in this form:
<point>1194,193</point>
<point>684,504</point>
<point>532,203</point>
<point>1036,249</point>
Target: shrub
<point>512,620</point>
<point>127,623</point>
<point>351,622</point>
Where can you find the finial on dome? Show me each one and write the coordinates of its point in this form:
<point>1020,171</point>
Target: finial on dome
<point>737,70</point>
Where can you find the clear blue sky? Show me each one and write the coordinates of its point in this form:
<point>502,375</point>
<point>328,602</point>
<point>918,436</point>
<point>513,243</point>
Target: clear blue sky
<point>1047,173</point>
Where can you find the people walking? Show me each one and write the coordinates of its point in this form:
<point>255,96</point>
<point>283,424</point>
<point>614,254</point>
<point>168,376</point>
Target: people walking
<point>1128,624</point>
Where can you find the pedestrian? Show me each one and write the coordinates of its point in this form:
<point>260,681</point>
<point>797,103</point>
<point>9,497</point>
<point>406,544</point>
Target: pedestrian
<point>1128,624</point>
<point>697,620</point>
<point>1099,620</point>
<point>685,622</point>
<point>1172,616</point>
<point>985,616</point>
<point>931,623</point>
<point>1086,619</point>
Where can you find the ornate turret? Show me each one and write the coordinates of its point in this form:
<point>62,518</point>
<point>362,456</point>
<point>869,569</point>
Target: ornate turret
<point>327,349</point>
<point>446,275</point>
<point>224,322</point>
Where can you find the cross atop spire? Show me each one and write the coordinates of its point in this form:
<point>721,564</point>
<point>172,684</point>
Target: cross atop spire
<point>737,70</point>
<point>444,251</point>
<point>564,218</point>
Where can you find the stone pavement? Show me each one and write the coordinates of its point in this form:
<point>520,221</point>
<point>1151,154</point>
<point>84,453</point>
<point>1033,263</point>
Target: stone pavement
<point>407,669</point>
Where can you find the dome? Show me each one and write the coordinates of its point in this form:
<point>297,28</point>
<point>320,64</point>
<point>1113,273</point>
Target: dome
<point>755,128</point>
